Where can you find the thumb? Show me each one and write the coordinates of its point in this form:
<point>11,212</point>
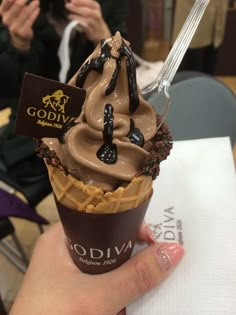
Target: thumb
<point>141,273</point>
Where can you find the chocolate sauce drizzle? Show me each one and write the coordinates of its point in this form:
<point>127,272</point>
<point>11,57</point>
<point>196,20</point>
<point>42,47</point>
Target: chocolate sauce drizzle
<point>112,84</point>
<point>94,64</point>
<point>135,135</point>
<point>108,151</point>
<point>131,74</point>
<point>97,64</point>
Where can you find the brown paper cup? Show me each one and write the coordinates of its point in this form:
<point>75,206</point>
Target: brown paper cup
<point>99,243</point>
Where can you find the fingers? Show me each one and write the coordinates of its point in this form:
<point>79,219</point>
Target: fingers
<point>92,12</point>
<point>145,234</point>
<point>89,14</point>
<point>87,3</point>
<point>141,273</point>
<point>19,18</point>
<point>5,5</point>
<point>89,11</point>
<point>17,11</point>
<point>23,24</point>
<point>28,22</point>
<point>83,22</point>
<point>11,12</point>
<point>123,312</point>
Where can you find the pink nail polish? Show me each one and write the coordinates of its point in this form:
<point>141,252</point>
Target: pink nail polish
<point>151,238</point>
<point>169,255</point>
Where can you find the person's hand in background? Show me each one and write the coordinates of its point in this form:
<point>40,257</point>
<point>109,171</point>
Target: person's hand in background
<point>54,285</point>
<point>89,14</point>
<point>19,18</point>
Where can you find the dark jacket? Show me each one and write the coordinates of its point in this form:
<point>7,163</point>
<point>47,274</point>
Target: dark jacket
<point>42,57</point>
<point>42,60</point>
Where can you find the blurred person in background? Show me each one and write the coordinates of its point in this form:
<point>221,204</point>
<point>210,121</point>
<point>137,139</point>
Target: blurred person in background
<point>30,34</point>
<point>202,53</point>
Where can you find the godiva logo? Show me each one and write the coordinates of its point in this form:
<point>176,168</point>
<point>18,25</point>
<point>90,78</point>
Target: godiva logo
<point>47,108</point>
<point>98,256</point>
<point>169,228</point>
<point>56,101</point>
<point>53,114</point>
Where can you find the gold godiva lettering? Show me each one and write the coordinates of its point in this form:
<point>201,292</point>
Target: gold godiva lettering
<point>53,114</point>
<point>47,108</point>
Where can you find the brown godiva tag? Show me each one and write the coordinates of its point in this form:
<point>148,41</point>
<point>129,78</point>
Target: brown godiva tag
<point>47,107</point>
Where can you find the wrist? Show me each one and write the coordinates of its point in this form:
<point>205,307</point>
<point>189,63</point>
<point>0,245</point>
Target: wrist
<point>20,44</point>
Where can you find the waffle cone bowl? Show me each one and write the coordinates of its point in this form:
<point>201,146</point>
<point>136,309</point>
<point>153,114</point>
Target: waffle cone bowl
<point>101,228</point>
<point>88,198</point>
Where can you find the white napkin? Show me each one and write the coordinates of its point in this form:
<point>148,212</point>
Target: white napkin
<point>64,48</point>
<point>194,202</point>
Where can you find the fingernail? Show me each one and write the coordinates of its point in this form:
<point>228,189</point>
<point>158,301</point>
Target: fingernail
<point>149,233</point>
<point>169,255</point>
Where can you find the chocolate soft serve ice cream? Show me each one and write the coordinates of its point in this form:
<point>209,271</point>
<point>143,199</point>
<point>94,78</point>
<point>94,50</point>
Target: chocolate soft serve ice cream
<point>114,141</point>
<point>103,163</point>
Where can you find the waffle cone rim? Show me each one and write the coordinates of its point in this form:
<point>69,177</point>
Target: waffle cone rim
<point>97,201</point>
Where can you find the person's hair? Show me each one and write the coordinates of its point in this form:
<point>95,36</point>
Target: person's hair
<point>56,7</point>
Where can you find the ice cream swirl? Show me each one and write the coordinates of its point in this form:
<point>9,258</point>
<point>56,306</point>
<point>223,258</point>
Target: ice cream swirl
<point>107,145</point>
